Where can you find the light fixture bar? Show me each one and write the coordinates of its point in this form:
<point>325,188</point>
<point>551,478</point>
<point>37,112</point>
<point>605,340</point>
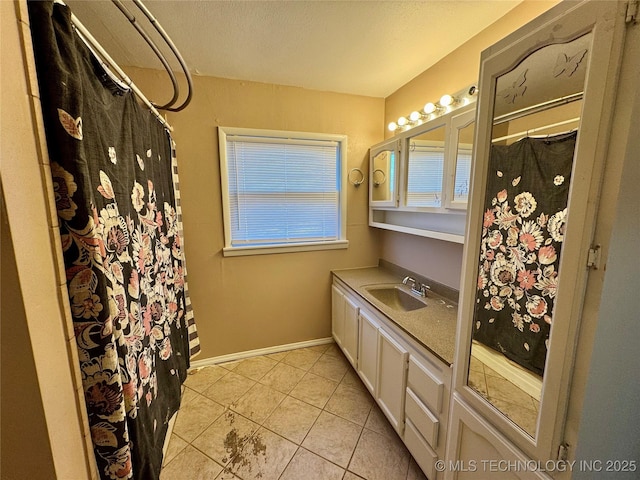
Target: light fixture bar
<point>446,104</point>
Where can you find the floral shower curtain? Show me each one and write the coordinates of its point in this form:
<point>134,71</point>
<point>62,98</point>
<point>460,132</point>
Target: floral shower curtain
<point>522,234</point>
<point>112,169</point>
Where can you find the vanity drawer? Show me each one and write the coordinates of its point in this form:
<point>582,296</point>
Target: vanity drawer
<point>424,421</point>
<point>421,451</point>
<point>426,385</point>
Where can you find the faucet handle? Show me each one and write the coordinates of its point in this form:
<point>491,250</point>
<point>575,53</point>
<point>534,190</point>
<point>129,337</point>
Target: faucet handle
<point>424,288</point>
<point>409,279</point>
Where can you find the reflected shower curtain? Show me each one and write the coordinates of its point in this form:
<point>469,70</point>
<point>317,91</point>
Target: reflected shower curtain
<point>522,233</point>
<point>113,176</point>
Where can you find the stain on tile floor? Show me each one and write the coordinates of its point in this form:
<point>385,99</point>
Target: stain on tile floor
<point>242,449</point>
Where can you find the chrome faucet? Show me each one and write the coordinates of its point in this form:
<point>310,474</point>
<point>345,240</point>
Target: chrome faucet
<point>416,287</point>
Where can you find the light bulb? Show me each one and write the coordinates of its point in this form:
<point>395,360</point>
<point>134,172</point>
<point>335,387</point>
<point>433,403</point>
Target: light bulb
<point>446,100</point>
<point>429,108</point>
<point>392,126</point>
<point>415,116</point>
<point>402,121</point>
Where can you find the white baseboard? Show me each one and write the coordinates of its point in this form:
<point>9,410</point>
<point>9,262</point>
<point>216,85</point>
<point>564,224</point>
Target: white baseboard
<point>519,376</point>
<point>205,362</point>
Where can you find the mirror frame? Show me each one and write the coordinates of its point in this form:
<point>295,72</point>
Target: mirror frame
<point>561,24</point>
<point>388,145</point>
<point>458,123</point>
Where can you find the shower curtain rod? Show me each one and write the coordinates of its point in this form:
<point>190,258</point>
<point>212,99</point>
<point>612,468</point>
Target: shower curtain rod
<point>103,57</point>
<point>556,102</point>
<point>110,64</point>
<point>534,130</point>
<point>126,81</point>
<point>169,106</point>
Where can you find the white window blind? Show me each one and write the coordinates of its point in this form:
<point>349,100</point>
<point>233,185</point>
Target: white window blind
<point>282,191</point>
<point>426,168</point>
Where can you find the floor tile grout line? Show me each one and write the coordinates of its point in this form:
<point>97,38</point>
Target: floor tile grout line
<point>319,455</point>
<point>354,451</point>
<point>289,462</point>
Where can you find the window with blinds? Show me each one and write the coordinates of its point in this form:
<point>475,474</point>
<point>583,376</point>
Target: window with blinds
<point>426,170</point>
<point>282,189</point>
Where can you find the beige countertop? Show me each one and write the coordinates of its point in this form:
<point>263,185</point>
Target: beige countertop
<point>434,327</point>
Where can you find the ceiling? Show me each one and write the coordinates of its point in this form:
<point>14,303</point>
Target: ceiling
<point>359,47</point>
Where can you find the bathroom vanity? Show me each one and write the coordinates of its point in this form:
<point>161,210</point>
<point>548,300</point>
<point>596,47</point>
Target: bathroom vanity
<point>402,347</point>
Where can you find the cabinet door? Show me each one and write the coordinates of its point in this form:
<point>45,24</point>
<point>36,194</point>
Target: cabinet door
<point>368,351</point>
<point>383,174</point>
<point>350,337</point>
<point>392,379</point>
<point>337,314</point>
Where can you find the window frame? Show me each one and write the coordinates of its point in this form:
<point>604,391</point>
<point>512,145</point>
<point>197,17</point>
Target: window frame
<point>280,135</point>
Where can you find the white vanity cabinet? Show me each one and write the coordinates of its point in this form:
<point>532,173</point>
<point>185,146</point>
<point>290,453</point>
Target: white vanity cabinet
<point>392,368</point>
<point>350,340</point>
<point>426,411</point>
<point>344,323</point>
<point>368,350</point>
<point>410,384</point>
<point>337,314</point>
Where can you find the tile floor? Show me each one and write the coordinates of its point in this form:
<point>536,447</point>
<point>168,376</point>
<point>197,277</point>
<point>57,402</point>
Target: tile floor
<point>516,404</point>
<point>297,415</point>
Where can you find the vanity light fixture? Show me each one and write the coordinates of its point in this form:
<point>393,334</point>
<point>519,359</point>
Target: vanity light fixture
<point>446,104</point>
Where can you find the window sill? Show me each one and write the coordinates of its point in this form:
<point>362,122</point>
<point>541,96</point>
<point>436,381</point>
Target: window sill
<point>289,248</point>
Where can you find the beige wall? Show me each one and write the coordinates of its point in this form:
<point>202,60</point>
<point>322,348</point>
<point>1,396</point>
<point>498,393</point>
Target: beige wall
<point>44,427</point>
<point>252,302</point>
<point>25,446</point>
<point>435,259</point>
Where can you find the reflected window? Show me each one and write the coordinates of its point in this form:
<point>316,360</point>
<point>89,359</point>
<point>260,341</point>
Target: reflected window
<point>426,168</point>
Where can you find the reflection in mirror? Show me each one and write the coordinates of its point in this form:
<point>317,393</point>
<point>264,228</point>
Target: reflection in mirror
<point>426,168</point>
<point>383,176</point>
<point>464,150</point>
<point>536,117</point>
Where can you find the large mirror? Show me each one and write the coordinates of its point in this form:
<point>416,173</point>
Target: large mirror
<point>536,116</point>
<point>383,174</point>
<point>425,166</point>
